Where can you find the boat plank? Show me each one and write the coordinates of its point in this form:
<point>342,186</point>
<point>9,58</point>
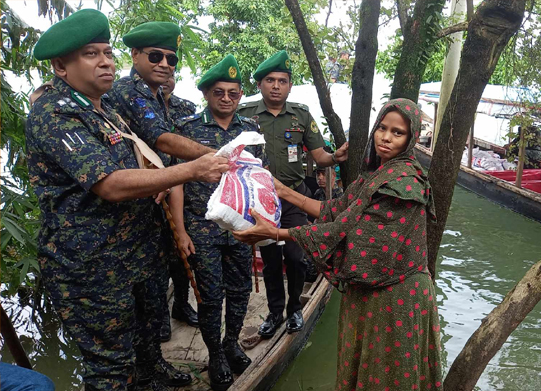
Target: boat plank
<point>269,357</point>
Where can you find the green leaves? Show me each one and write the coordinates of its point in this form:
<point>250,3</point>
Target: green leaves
<point>19,229</point>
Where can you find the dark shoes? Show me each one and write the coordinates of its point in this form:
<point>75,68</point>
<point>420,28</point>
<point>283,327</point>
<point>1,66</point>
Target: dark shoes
<point>170,375</point>
<point>165,330</point>
<point>295,322</point>
<point>161,372</point>
<point>185,313</point>
<point>237,359</point>
<point>270,325</point>
<point>219,371</point>
<point>155,385</point>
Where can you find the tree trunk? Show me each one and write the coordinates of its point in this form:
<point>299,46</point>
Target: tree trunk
<point>494,331</point>
<point>489,31</point>
<point>450,68</point>
<point>366,50</point>
<point>419,35</point>
<point>335,124</point>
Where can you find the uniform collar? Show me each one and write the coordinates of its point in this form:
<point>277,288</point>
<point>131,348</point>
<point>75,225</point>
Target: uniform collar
<point>261,107</point>
<point>75,96</point>
<point>208,119</point>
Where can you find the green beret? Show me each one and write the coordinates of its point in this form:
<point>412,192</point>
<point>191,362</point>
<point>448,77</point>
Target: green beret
<point>279,62</point>
<point>225,70</point>
<point>163,35</point>
<point>77,30</point>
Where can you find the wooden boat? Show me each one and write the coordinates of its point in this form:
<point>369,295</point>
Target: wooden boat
<point>269,357</point>
<point>506,194</point>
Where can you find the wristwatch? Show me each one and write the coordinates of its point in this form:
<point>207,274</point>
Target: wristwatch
<point>333,157</point>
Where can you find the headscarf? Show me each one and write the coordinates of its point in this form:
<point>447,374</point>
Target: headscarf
<point>356,241</point>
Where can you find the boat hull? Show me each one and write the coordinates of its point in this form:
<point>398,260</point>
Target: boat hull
<point>523,201</point>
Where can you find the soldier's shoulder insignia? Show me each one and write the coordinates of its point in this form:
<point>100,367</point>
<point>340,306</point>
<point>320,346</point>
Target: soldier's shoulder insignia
<point>184,120</point>
<point>189,105</point>
<point>301,106</point>
<point>248,104</point>
<point>250,121</point>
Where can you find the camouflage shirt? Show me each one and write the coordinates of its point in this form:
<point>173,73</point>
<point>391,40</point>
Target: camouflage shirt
<point>145,114</point>
<point>86,244</point>
<point>203,128</point>
<point>179,108</point>
<point>321,196</point>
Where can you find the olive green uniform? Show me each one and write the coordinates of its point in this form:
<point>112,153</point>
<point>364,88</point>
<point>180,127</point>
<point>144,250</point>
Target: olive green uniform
<point>294,126</point>
<point>285,136</point>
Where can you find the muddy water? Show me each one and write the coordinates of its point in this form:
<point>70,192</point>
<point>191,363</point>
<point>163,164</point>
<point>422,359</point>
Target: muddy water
<point>485,250</point>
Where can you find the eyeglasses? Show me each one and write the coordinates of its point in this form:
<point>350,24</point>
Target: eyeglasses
<point>221,93</point>
<point>156,57</point>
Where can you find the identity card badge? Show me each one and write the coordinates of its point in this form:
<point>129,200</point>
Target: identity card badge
<point>292,153</point>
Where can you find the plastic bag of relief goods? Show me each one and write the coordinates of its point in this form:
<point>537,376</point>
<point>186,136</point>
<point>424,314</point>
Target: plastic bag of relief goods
<point>246,185</point>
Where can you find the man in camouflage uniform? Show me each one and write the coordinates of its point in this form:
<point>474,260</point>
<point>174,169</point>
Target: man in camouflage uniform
<point>99,245</point>
<point>139,100</point>
<point>219,261</point>
<point>177,108</point>
<point>287,127</point>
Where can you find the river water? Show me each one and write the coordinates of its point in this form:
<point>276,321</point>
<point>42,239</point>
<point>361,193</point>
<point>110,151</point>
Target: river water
<point>485,250</point>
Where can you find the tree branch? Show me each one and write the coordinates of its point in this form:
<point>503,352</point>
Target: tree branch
<point>362,79</point>
<point>494,331</point>
<point>463,26</point>
<point>402,11</point>
<point>335,124</point>
<point>328,13</point>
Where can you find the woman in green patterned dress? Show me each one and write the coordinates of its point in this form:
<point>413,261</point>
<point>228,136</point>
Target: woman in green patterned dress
<point>371,245</point>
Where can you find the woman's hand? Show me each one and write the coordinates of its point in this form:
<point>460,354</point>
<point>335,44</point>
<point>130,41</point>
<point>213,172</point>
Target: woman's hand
<point>279,186</point>
<point>260,231</point>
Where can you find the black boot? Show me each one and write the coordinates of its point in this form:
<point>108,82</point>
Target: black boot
<point>185,313</point>
<point>165,330</point>
<point>171,376</point>
<point>163,372</point>
<point>182,310</point>
<point>237,359</point>
<point>220,374</point>
<point>154,385</point>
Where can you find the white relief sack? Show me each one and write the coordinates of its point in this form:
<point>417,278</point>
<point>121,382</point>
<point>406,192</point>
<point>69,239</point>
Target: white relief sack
<point>246,185</point>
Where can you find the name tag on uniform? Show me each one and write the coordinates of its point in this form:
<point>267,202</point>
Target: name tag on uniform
<point>292,153</point>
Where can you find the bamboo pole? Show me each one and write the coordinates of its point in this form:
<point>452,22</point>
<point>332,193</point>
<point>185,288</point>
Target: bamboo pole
<point>309,165</point>
<point>12,341</point>
<point>180,252</point>
<point>254,264</point>
<point>470,146</point>
<point>521,148</point>
<point>328,182</point>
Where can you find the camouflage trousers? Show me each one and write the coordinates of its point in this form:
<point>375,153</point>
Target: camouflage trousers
<point>114,328</point>
<point>222,271</point>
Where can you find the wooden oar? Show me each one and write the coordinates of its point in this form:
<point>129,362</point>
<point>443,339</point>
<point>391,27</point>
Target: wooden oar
<point>180,252</point>
<point>12,341</point>
<point>254,263</point>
